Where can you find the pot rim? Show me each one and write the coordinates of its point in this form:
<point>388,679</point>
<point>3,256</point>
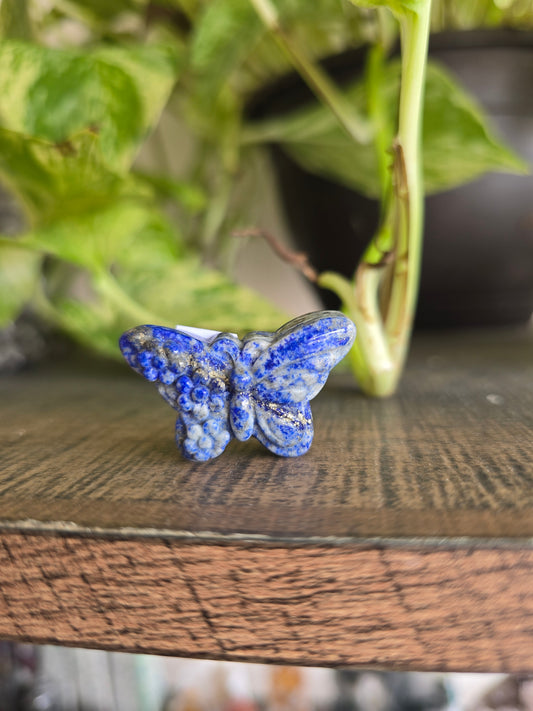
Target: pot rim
<point>481,38</point>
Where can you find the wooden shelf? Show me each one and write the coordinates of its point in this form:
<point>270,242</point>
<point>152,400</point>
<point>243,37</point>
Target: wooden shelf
<point>403,540</point>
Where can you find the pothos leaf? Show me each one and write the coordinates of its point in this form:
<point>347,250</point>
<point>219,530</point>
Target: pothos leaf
<point>223,37</point>
<point>212,301</point>
<point>104,9</point>
<point>187,193</point>
<point>205,297</point>
<point>398,7</point>
<point>19,269</point>
<point>117,92</point>
<point>458,143</point>
<point>100,239</point>
<point>14,19</point>
<point>58,179</point>
<point>139,271</point>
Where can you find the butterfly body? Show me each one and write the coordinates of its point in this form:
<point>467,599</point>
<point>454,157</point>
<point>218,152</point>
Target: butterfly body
<point>224,387</point>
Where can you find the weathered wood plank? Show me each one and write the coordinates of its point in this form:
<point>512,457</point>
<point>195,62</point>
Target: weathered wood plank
<point>409,607</point>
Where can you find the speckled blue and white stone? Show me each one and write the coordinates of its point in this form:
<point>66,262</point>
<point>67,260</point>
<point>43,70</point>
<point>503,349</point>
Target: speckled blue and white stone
<point>260,386</point>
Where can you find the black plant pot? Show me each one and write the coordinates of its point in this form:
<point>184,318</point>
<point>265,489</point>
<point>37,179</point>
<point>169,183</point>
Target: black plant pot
<point>478,247</point>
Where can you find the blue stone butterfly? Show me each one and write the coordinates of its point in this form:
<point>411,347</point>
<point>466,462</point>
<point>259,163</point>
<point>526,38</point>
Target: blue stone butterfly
<point>223,387</point>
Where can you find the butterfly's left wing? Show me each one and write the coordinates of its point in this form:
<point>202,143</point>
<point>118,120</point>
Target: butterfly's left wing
<point>192,376</point>
<point>292,371</point>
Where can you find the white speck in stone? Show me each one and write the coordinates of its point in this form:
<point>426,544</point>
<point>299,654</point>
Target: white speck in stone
<point>194,431</point>
<point>495,399</point>
<point>180,362</point>
<point>201,412</point>
<point>222,438</point>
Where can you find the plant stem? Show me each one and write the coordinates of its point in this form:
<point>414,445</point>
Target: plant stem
<point>356,126</point>
<point>406,276</point>
<point>382,299</point>
<point>378,116</point>
<point>369,357</point>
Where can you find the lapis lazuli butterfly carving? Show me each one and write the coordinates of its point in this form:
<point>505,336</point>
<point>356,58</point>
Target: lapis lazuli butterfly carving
<point>223,387</point>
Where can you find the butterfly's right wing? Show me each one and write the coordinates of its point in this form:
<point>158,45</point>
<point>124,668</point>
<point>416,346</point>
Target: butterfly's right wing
<point>193,377</point>
<point>296,364</point>
<point>290,372</point>
<point>286,430</point>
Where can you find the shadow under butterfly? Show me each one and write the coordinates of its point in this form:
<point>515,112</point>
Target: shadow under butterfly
<point>224,387</point>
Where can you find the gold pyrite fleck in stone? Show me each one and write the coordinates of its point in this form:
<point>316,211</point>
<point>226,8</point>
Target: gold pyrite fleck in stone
<point>223,387</point>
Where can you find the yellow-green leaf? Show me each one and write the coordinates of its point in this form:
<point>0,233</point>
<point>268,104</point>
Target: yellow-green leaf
<point>114,91</point>
<point>57,179</point>
<point>458,142</point>
<point>19,269</point>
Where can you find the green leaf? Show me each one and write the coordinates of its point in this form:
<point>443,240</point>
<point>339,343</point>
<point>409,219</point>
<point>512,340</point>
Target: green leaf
<point>458,143</point>
<point>154,69</point>
<point>314,139</point>
<point>306,12</point>
<point>224,35</point>
<point>188,292</point>
<point>140,272</point>
<point>57,179</point>
<point>189,194</point>
<point>118,92</point>
<point>122,233</point>
<point>19,270</point>
<point>398,7</point>
<point>14,19</point>
<point>103,9</point>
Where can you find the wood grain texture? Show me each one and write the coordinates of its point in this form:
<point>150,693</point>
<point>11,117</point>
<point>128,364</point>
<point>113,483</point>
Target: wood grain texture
<point>402,540</point>
<point>407,607</point>
<point>451,455</point>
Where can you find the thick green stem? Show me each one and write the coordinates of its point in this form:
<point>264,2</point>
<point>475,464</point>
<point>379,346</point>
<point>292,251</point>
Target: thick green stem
<point>410,197</point>
<point>383,297</point>
<point>378,114</point>
<point>370,358</point>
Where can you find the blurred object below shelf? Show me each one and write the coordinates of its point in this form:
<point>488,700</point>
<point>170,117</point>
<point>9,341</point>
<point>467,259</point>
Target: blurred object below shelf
<point>47,678</point>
